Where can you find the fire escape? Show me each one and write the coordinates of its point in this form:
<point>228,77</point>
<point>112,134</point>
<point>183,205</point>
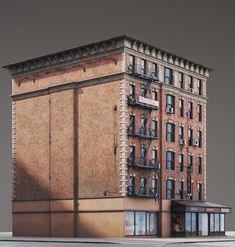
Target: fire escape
<point>143,135</point>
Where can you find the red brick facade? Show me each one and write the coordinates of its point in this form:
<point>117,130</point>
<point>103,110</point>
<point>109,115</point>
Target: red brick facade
<point>71,139</point>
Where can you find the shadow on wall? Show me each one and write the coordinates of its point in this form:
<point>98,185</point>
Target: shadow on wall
<point>35,215</point>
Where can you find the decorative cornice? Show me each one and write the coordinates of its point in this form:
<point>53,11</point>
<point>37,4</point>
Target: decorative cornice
<point>103,47</point>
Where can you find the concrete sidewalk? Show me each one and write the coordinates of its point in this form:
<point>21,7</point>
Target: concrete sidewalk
<point>7,236</point>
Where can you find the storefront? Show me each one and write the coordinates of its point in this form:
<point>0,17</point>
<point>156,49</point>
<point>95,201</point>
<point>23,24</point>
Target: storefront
<point>197,218</point>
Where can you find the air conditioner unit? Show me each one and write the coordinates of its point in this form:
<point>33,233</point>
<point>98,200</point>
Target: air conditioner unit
<point>182,142</point>
<point>169,109</point>
<point>195,142</point>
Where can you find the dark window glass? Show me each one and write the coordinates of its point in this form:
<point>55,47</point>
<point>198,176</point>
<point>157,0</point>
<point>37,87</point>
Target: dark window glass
<point>181,107</point>
<point>154,128</point>
<point>190,110</point>
<point>168,76</point>
<point>143,67</point>
<point>181,162</point>
<point>154,95</point>
<point>199,86</point>
<point>199,191</point>
<point>170,102</point>
<point>170,160</point>
<point>199,136</point>
<point>143,125</point>
<point>199,164</point>
<point>131,63</point>
<point>190,136</point>
<point>143,155</point>
<point>132,156</point>
<point>154,157</point>
<point>190,83</point>
<point>143,91</point>
<point>154,186</point>
<point>181,189</point>
<point>190,160</point>
<point>153,70</point>
<point>199,111</point>
<point>143,186</point>
<point>170,188</point>
<point>132,91</point>
<point>170,132</point>
<point>131,128</point>
<point>181,132</point>
<point>132,185</point>
<point>181,80</point>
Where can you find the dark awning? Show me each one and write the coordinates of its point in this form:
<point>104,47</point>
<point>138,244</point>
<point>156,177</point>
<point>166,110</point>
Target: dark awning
<point>198,206</point>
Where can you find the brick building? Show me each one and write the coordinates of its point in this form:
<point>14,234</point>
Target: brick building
<point>109,140</point>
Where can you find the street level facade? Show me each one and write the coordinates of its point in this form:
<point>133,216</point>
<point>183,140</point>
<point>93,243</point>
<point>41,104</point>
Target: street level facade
<point>109,140</point>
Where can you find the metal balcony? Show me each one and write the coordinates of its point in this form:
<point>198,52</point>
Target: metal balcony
<point>143,102</point>
<point>142,163</point>
<point>144,73</point>
<point>142,192</point>
<point>142,133</point>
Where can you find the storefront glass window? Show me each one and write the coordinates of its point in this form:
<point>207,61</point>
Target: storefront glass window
<point>203,224</point>
<point>140,223</point>
<point>188,222</point>
<point>194,223</point>
<point>212,223</point>
<point>129,223</point>
<point>222,222</point>
<point>177,222</point>
<point>217,223</point>
<point>151,224</point>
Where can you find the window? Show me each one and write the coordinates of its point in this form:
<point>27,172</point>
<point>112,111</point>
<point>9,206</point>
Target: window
<point>170,160</point>
<point>181,107</point>
<point>181,132</point>
<point>199,191</point>
<point>131,63</point>
<point>143,155</point>
<point>181,162</point>
<point>181,80</point>
<point>170,102</point>
<point>199,112</point>
<point>181,189</point>
<point>143,186</point>
<point>190,160</point>
<point>199,164</point>
<point>168,78</point>
<point>154,157</point>
<point>154,95</point>
<point>170,189</point>
<point>131,160</point>
<point>143,91</point>
<point>202,224</point>
<point>132,91</point>
<point>190,83</point>
<point>190,136</point>
<point>190,110</point>
<point>139,223</point>
<point>132,185</point>
<point>129,224</point>
<point>143,67</point>
<point>154,186</point>
<point>222,222</point>
<point>153,70</point>
<point>190,222</point>
<point>199,136</point>
<point>199,86</point>
<point>154,128</point>
<point>143,125</point>
<point>131,128</point>
<point>170,132</point>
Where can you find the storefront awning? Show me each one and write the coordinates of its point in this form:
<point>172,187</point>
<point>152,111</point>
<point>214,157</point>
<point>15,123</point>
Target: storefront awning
<point>198,206</point>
